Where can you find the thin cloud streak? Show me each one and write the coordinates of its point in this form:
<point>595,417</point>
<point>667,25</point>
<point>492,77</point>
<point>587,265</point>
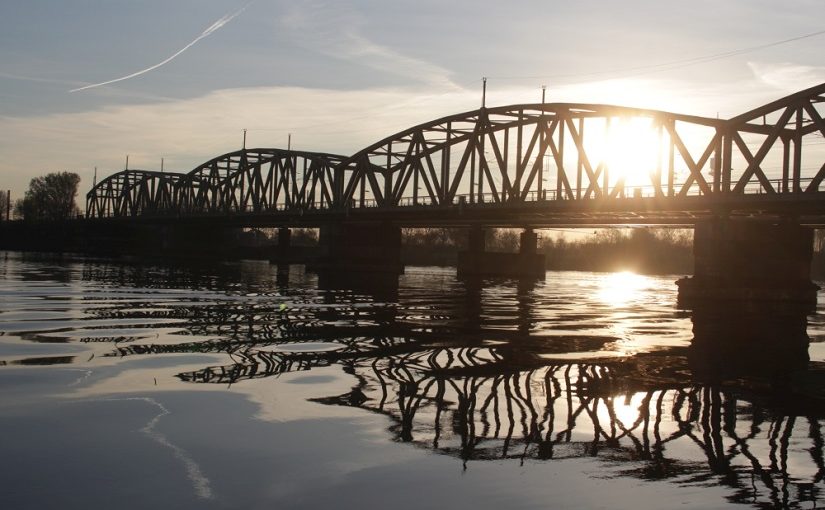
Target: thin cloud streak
<point>211,29</point>
<point>787,77</point>
<point>337,32</point>
<point>35,79</point>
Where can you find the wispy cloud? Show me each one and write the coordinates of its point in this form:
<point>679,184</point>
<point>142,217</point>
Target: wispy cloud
<point>35,79</point>
<point>209,30</point>
<point>786,76</point>
<point>337,32</point>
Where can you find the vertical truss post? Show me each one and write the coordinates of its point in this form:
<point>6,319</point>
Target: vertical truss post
<point>657,176</point>
<point>445,167</point>
<point>797,152</point>
<point>472,171</point>
<point>388,196</point>
<point>579,163</point>
<point>727,158</point>
<point>482,159</point>
<point>786,164</point>
<point>671,160</point>
<point>717,163</point>
<point>605,165</point>
<point>520,166</point>
<point>415,181</point>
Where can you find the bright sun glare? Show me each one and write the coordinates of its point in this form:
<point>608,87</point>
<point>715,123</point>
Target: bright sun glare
<point>621,288</point>
<point>629,149</point>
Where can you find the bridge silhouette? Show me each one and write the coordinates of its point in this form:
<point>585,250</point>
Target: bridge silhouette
<point>527,166</point>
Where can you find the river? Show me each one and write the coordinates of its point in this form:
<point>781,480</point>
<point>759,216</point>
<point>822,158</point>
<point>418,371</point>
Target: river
<point>239,385</point>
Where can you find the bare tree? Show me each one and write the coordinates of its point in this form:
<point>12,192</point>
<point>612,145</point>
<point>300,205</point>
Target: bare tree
<point>50,197</point>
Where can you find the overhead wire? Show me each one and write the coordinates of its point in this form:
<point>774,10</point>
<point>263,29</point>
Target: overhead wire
<point>635,70</point>
<point>668,66</point>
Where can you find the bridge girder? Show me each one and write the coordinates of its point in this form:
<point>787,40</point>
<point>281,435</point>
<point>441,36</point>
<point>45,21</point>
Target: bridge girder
<point>134,193</point>
<point>260,180</point>
<point>504,155</point>
<point>250,180</point>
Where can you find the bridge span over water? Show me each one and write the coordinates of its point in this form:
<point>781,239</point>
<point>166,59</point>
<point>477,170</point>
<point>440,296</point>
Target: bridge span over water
<point>751,186</point>
<point>519,165</point>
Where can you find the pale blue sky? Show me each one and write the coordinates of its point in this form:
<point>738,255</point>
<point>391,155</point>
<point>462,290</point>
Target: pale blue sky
<point>340,75</point>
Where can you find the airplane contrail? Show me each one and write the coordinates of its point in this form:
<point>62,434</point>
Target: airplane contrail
<point>212,28</point>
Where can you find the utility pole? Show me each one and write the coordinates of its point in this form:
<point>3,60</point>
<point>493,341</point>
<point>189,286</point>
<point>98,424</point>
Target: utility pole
<point>484,92</point>
<point>94,179</point>
<point>161,165</point>
<point>127,162</point>
<point>244,139</point>
<point>543,90</point>
<point>289,142</point>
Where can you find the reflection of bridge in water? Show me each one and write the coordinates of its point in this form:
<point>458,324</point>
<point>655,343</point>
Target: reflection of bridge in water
<point>643,415</point>
<point>479,394</point>
<point>462,372</point>
<point>451,401</point>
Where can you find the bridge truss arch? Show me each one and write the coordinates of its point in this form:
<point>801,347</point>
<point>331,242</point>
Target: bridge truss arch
<point>134,193</point>
<point>260,180</point>
<point>245,181</point>
<point>559,151</point>
<point>555,153</point>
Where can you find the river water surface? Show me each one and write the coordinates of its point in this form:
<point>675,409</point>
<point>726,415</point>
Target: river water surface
<point>242,386</point>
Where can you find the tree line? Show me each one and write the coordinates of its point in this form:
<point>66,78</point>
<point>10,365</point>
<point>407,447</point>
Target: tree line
<point>645,250</point>
<point>51,197</point>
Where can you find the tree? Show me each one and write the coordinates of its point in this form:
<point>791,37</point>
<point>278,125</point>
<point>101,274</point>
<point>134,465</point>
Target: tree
<point>4,206</point>
<point>50,197</point>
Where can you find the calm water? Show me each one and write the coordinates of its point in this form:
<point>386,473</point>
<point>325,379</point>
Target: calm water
<point>238,386</point>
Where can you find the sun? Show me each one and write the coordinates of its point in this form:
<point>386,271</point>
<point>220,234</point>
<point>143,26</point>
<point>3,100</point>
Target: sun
<point>628,148</point>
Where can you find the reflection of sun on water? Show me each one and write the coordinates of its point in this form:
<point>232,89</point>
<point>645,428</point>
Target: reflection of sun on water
<point>621,288</point>
<point>623,408</point>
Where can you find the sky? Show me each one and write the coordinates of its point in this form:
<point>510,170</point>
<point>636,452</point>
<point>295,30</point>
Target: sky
<point>339,76</point>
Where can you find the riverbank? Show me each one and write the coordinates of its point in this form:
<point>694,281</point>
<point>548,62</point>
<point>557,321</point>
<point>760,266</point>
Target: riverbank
<point>648,251</point>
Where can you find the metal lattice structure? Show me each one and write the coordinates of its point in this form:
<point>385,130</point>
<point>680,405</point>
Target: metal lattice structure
<point>259,180</point>
<point>134,193</point>
<point>253,180</point>
<point>553,154</point>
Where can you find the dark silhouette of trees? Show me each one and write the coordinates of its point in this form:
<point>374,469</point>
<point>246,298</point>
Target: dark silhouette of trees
<point>50,197</point>
<point>652,251</point>
<point>643,250</point>
<point>4,209</point>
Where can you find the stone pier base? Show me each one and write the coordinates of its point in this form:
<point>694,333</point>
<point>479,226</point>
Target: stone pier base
<point>478,262</point>
<point>750,261</point>
<point>355,247</point>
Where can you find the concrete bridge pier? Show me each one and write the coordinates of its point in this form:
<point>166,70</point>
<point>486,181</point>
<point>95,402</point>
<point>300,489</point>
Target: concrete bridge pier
<point>476,261</point>
<point>742,260</point>
<point>284,242</point>
<point>359,247</point>
<point>281,254</point>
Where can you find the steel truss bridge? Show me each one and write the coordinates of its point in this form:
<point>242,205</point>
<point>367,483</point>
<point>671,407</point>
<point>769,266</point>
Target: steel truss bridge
<point>518,165</point>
